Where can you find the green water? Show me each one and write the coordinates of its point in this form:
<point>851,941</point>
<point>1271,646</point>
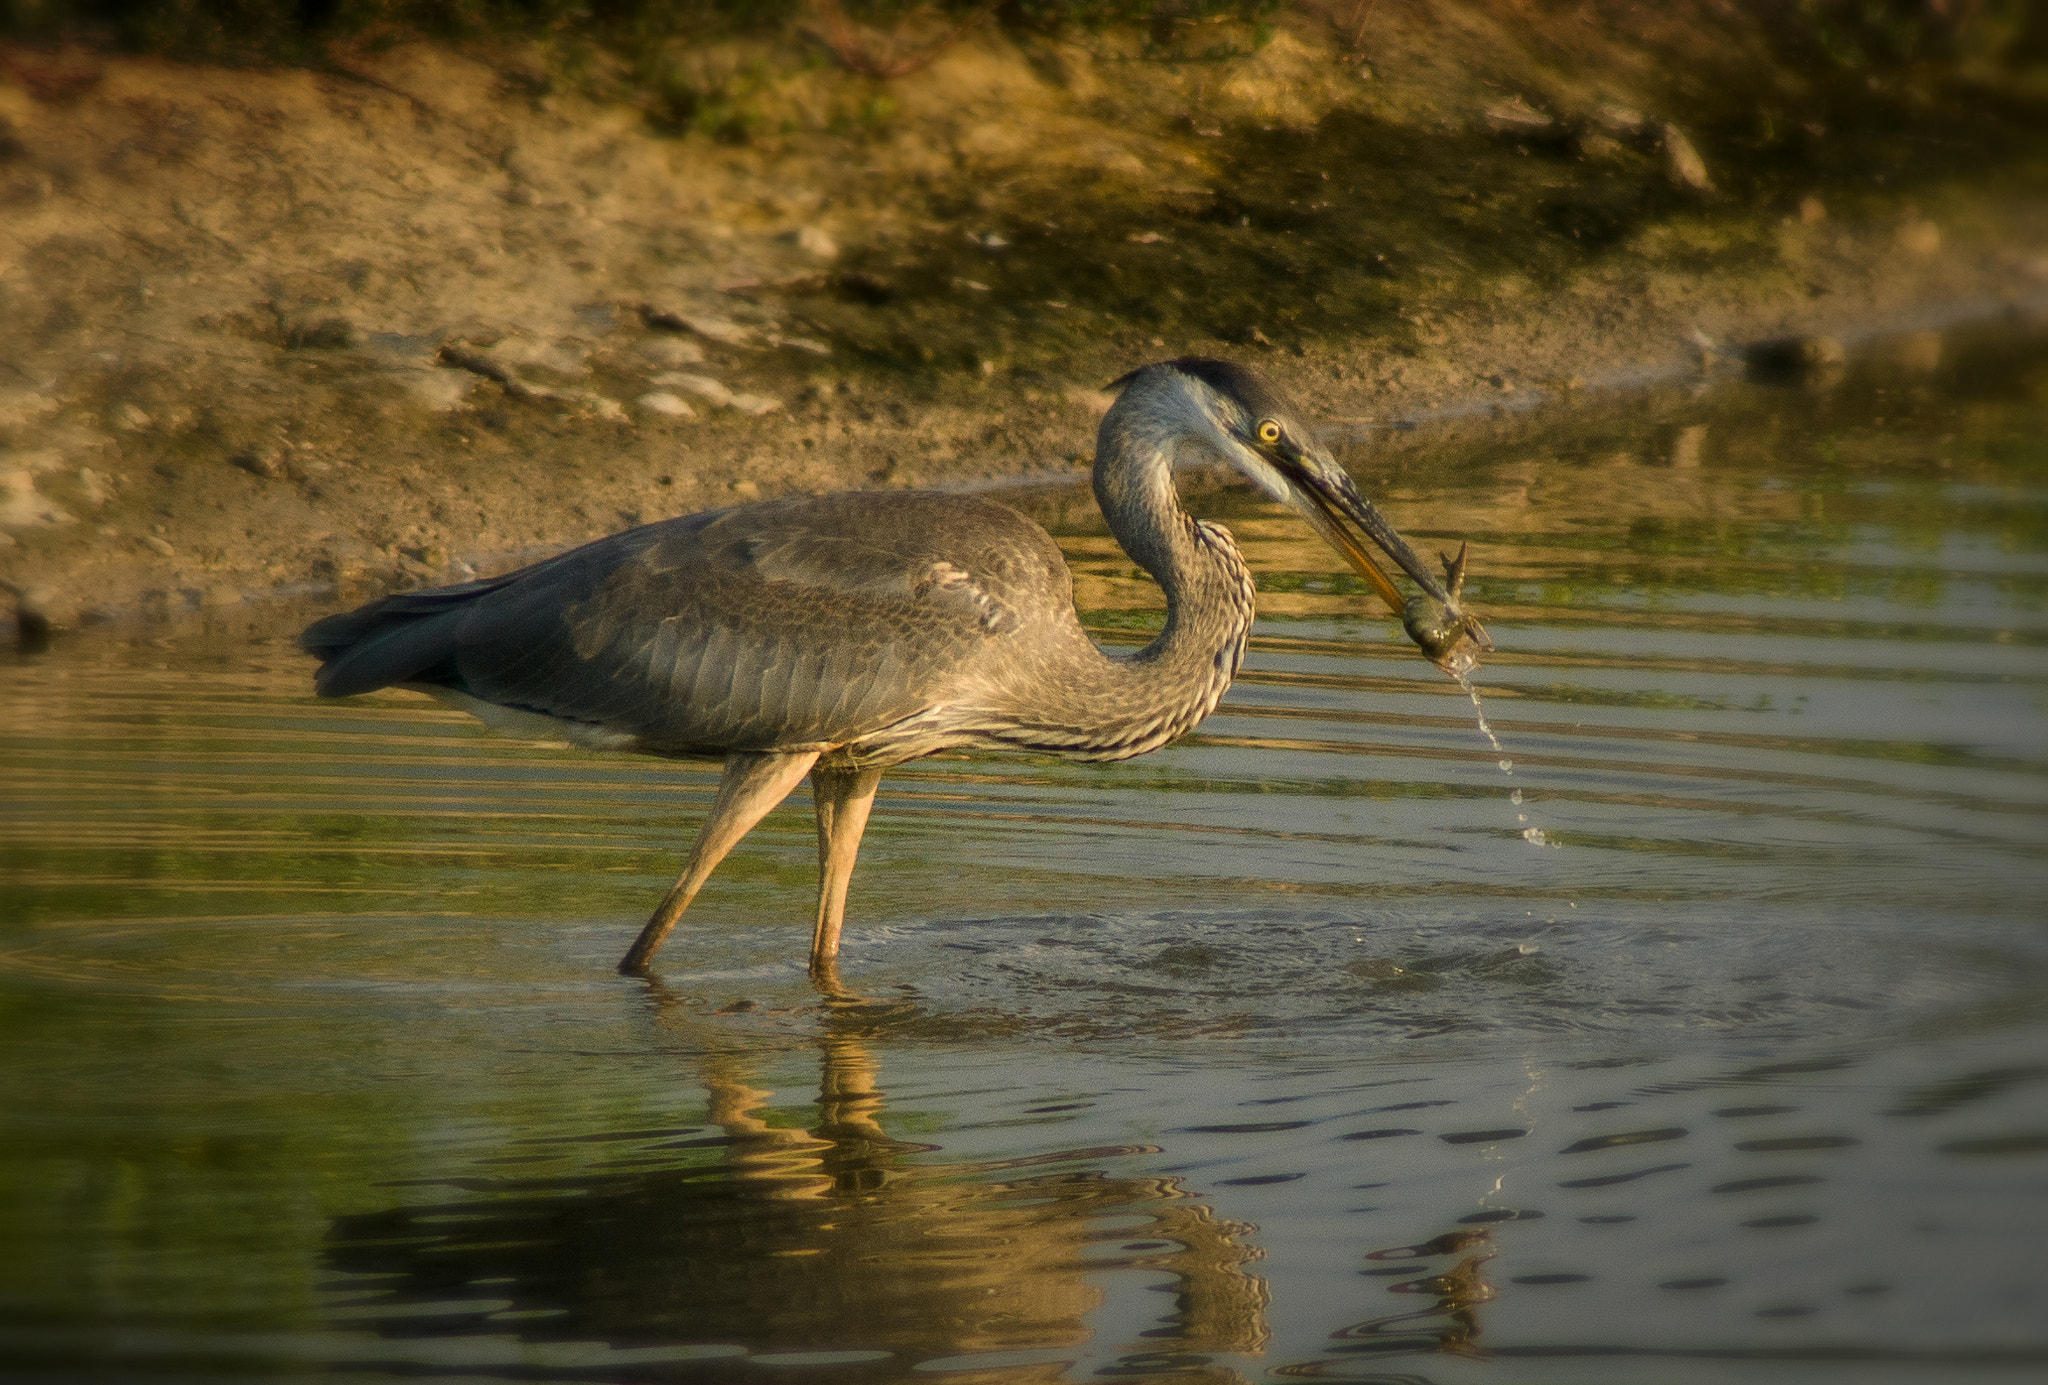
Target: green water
<point>1277,1054</point>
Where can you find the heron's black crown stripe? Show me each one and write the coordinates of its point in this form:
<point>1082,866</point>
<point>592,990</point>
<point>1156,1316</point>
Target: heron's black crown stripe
<point>1227,378</point>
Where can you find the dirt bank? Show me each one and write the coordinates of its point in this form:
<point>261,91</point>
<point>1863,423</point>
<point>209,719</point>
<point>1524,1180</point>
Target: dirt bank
<point>430,311</point>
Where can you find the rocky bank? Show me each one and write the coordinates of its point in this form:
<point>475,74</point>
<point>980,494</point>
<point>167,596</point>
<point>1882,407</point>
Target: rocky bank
<point>429,311</point>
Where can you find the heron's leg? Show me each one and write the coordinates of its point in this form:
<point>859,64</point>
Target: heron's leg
<point>754,782</point>
<point>844,797</point>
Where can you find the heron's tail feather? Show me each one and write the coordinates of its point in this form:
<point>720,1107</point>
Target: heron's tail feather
<point>408,638</point>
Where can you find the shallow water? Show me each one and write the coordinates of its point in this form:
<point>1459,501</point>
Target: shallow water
<point>1278,1053</point>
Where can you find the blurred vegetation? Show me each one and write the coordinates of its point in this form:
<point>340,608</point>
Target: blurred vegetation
<point>1895,33</point>
<point>1841,33</point>
<point>302,30</point>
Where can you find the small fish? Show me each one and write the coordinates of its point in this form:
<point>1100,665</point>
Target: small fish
<point>1452,638</point>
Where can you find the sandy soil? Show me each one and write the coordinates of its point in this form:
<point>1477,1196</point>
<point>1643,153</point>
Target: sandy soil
<point>435,312</point>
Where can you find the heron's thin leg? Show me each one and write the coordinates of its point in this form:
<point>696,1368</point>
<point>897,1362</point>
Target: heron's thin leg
<point>843,797</point>
<point>849,1095</point>
<point>754,782</point>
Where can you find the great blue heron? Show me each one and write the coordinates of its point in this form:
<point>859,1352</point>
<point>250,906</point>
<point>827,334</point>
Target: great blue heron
<point>838,635</point>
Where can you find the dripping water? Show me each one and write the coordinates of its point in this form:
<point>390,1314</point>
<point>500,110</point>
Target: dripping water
<point>1530,833</point>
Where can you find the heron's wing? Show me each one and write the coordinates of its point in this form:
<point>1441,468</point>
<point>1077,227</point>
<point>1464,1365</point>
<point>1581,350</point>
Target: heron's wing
<point>783,624</point>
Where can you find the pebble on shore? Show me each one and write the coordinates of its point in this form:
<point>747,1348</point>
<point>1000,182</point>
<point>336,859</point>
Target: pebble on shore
<point>662,402</point>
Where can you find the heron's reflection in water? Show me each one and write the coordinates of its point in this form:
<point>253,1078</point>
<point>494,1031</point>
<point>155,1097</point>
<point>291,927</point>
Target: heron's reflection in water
<point>838,1238</point>
<point>1451,1323</point>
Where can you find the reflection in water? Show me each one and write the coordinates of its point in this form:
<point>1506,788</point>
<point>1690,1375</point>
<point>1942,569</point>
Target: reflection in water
<point>1451,1323</point>
<point>835,1238</point>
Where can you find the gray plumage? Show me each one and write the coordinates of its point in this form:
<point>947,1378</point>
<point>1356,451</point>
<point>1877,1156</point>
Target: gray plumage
<point>842,634</point>
<point>876,627</point>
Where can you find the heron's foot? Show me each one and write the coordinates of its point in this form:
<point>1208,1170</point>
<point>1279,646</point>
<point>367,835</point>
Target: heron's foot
<point>639,958</point>
<point>825,981</point>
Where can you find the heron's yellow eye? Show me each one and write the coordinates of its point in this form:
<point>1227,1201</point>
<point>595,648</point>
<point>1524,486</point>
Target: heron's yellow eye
<point>1269,432</point>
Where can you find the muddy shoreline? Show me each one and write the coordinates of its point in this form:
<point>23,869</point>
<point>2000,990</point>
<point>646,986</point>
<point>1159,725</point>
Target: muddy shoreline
<point>279,332</point>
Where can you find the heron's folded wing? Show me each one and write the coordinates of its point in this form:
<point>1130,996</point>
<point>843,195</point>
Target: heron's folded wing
<point>812,622</point>
<point>412,637</point>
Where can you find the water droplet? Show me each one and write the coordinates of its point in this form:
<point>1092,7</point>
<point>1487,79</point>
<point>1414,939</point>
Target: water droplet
<point>1532,835</point>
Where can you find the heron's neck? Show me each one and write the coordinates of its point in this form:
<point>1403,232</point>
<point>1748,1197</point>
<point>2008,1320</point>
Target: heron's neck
<point>1134,458</point>
<point>1078,701</point>
<point>1176,680</point>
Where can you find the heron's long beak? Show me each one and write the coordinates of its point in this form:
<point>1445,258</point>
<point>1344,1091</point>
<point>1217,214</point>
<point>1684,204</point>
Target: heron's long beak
<point>1333,501</point>
<point>1435,620</point>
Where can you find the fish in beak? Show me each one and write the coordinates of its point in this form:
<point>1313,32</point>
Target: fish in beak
<point>1320,491</point>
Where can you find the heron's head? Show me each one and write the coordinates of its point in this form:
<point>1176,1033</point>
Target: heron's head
<point>1244,419</point>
